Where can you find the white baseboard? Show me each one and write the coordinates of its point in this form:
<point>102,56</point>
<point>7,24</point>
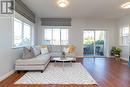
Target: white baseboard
<point>126,59</point>
<point>6,75</point>
<point>110,57</point>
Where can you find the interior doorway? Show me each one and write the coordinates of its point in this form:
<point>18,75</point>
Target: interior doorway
<point>94,42</point>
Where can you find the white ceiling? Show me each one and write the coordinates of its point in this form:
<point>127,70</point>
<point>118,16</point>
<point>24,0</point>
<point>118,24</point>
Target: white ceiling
<point>105,9</point>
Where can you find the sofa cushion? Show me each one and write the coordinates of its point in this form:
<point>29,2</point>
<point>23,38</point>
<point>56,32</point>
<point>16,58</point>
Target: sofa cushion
<point>27,53</point>
<point>39,60</point>
<point>44,50</point>
<point>56,48</point>
<point>46,46</point>
<point>56,54</point>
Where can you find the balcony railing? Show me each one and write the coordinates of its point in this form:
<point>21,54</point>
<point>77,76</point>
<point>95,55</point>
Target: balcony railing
<point>89,50</point>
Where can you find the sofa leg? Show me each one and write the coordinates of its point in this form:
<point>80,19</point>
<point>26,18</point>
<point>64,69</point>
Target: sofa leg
<point>18,72</point>
<point>41,71</point>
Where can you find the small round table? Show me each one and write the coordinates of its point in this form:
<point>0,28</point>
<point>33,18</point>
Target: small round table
<point>59,59</point>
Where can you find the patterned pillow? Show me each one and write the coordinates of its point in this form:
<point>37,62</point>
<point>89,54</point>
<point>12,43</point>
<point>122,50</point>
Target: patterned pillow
<point>27,53</point>
<point>36,50</point>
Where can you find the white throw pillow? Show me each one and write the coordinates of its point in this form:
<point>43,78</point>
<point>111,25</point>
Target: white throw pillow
<point>44,51</point>
<point>66,50</point>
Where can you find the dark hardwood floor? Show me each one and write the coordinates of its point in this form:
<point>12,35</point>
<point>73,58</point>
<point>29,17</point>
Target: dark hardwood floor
<point>107,73</point>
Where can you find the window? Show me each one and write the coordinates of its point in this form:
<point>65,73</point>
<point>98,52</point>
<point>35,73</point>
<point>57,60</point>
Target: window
<point>56,36</point>
<point>22,33</point>
<point>17,33</point>
<point>124,34</point>
<point>26,34</point>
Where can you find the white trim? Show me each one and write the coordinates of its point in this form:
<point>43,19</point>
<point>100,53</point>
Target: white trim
<point>106,29</point>
<point>126,59</point>
<point>6,75</point>
<point>61,27</point>
<point>121,45</point>
<point>110,56</point>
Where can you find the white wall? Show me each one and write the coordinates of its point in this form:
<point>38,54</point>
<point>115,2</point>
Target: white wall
<point>124,21</point>
<point>7,54</point>
<point>78,25</point>
<point>76,32</point>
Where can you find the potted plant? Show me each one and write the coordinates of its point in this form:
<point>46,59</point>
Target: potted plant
<point>116,52</point>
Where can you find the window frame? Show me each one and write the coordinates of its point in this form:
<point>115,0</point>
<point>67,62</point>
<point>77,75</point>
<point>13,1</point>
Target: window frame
<point>55,27</point>
<point>31,33</point>
<point>122,36</point>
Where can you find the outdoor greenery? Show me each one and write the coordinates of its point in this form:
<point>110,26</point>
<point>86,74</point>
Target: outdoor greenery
<point>99,42</point>
<point>89,46</point>
<point>89,42</point>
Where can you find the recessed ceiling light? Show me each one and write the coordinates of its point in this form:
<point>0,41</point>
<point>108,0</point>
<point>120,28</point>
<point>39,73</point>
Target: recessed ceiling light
<point>63,3</point>
<point>126,5</point>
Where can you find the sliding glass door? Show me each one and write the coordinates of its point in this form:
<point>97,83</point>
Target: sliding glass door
<point>94,43</point>
<point>88,43</point>
<point>99,43</point>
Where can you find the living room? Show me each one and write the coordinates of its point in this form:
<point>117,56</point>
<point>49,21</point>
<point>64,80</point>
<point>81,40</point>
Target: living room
<point>71,29</point>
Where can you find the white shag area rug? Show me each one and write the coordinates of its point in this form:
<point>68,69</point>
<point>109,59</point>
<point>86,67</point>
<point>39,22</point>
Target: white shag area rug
<point>75,74</point>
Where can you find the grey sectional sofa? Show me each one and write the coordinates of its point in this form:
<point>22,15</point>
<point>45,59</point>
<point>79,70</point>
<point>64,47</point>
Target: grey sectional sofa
<point>56,50</point>
<point>41,61</point>
<point>38,63</point>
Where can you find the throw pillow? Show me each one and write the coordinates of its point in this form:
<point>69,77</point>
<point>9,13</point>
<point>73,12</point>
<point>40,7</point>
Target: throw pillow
<point>56,48</point>
<point>66,50</point>
<point>44,50</point>
<point>43,46</point>
<point>27,53</point>
<point>71,49</point>
<point>36,50</point>
<point>46,46</point>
